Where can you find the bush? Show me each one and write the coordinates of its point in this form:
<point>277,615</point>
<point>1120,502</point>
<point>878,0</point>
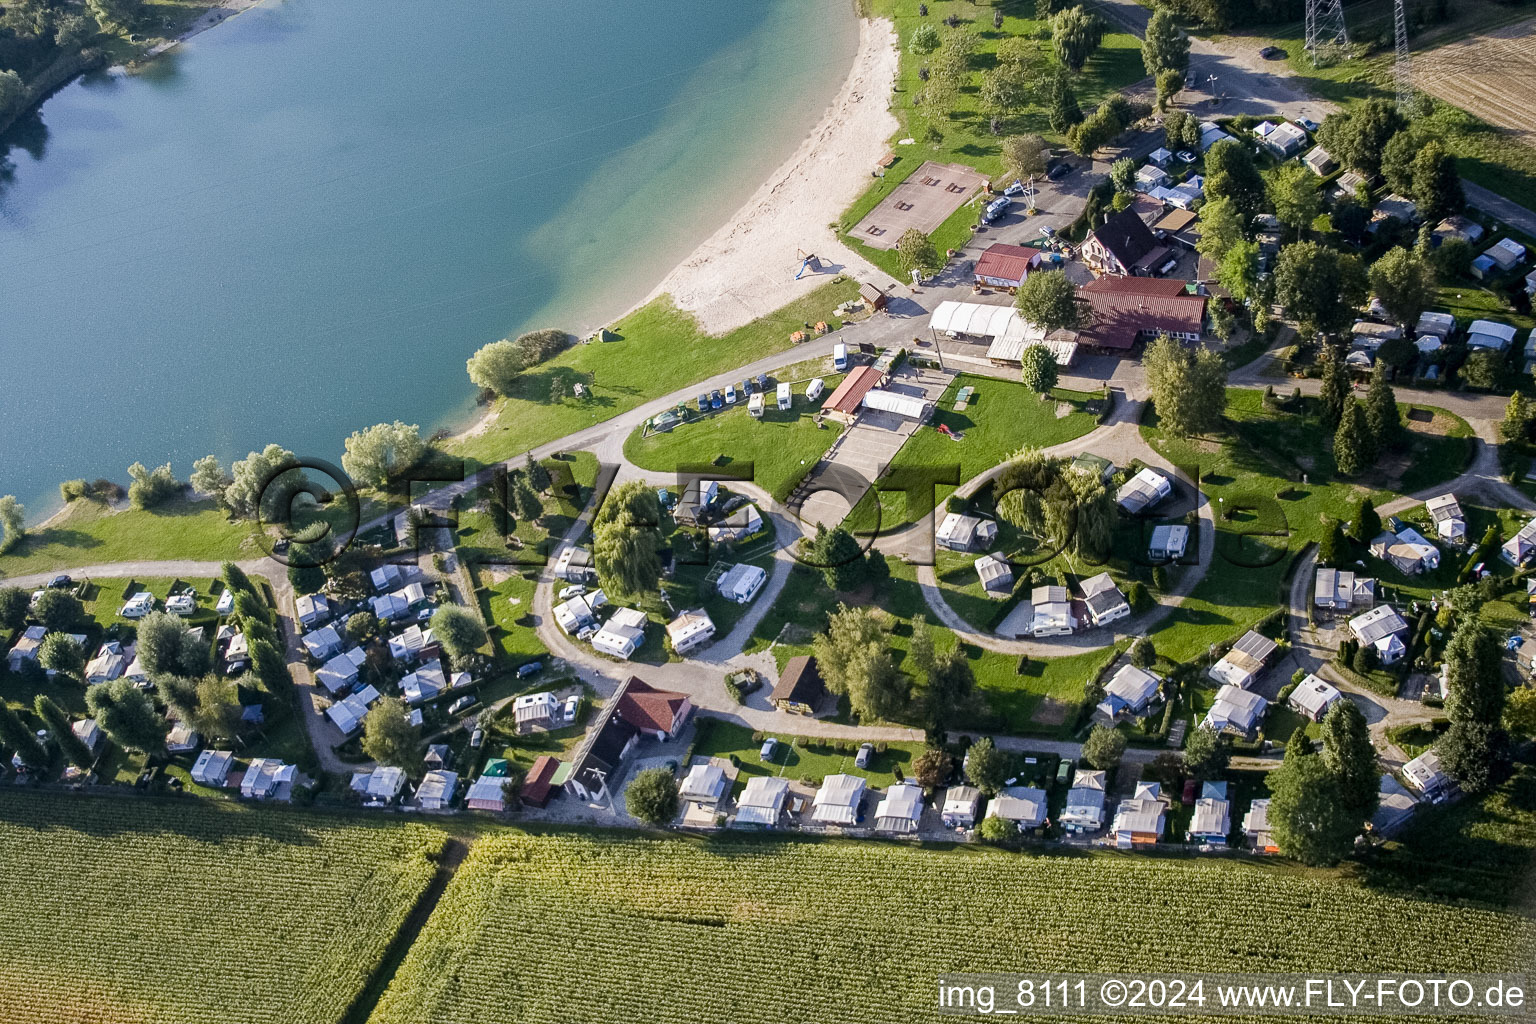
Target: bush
<point>69,490</point>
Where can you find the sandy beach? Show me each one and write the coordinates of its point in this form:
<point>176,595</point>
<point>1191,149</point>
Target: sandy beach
<point>747,268</point>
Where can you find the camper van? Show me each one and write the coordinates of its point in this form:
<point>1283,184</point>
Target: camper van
<point>840,356</point>
<point>755,404</point>
<point>784,396</point>
<point>814,389</point>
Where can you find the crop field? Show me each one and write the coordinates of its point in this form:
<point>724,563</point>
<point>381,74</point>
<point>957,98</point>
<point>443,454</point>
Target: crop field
<point>747,930</point>
<point>1491,74</point>
<point>125,912</point>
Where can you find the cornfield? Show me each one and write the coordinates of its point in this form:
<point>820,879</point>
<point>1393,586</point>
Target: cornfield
<point>124,912</point>
<point>582,929</point>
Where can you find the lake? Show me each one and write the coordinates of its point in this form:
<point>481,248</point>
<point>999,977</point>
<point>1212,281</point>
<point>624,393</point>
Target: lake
<point>303,221</point>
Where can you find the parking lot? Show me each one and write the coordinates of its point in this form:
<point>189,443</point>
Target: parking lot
<point>923,201</point>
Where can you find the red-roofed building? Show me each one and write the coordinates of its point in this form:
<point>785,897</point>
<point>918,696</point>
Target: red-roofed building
<point>1124,310</point>
<point>1005,266</point>
<point>660,713</point>
<point>537,786</point>
<point>848,397</point>
<point>1122,245</point>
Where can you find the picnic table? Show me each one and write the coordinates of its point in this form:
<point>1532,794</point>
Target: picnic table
<point>963,399</point>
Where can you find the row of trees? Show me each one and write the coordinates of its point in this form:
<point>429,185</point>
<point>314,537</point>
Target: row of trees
<point>34,33</point>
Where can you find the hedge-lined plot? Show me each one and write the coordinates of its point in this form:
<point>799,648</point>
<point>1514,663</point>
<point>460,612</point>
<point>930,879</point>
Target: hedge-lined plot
<point>748,931</point>
<point>119,911</point>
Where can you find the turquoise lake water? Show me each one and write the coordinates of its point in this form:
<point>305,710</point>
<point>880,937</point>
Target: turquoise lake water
<point>303,221</point>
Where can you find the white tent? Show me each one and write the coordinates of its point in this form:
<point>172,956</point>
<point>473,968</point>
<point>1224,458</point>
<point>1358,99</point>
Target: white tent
<point>909,406</point>
<point>972,318</point>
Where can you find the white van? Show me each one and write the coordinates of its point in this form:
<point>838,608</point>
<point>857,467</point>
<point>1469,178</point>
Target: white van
<point>840,356</point>
<point>814,389</point>
<point>784,396</point>
<point>755,404</point>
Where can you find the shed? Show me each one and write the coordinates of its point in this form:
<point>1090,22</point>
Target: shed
<point>800,688</point>
<point>961,806</point>
<point>873,297</point>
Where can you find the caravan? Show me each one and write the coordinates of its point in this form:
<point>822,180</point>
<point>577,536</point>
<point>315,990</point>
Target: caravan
<point>755,404</point>
<point>814,389</point>
<point>784,396</point>
<point>840,357</point>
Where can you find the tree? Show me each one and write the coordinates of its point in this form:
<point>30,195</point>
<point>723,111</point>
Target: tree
<point>14,606</point>
<point>1310,818</point>
<point>1221,228</point>
<point>388,735</point>
<point>495,367</point>
<point>151,487</point>
<point>840,557</point>
<point>12,90</point>
<point>61,653</point>
<point>1396,353</point>
<point>931,769</point>
<point>950,692</point>
<point>1381,414</point>
<point>1169,83</point>
<point>216,712</point>
<point>378,455</point>
<point>635,501</point>
<point>1350,757</point>
<point>1104,747</point>
<point>459,631</point>
<point>1005,89</point>
<point>1024,156</point>
<point>1397,161</point>
<point>1437,187</point>
<point>60,611</point>
<point>269,667</point>
<point>1062,103</point>
<point>1520,711</point>
<point>1238,271</point>
<point>915,251</point>
<point>1482,369</point>
<point>59,727</point>
<point>1331,548</point>
<point>1468,752</point>
<point>127,714</point>
<point>1367,523</point>
<point>925,39</point>
<point>652,797</point>
<point>1142,653</point>
<point>1335,391</point>
<point>208,477</point>
<point>13,519</point>
<point>1319,287</point>
<point>1292,189</point>
<point>1049,301</point>
<point>1165,47</point>
<point>537,476</point>
<point>625,538</point>
<point>1230,173</point>
<point>855,661</point>
<point>269,477</point>
<point>997,829</point>
<point>15,734</point>
<point>987,767</point>
<point>1123,174</point>
<point>1189,388</point>
<point>1518,413</point>
<point>525,501</point>
<point>1404,281</point>
<point>1358,138</point>
<point>1350,218</point>
<point>362,627</point>
<point>1076,33</point>
<point>1205,753</point>
<point>1475,685</point>
<point>921,658</point>
<point>1038,369</point>
<point>116,16</point>
<point>1354,446</point>
<point>159,644</point>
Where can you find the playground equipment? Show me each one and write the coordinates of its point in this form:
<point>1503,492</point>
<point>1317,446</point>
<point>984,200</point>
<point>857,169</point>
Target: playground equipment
<point>807,259</point>
<point>953,435</point>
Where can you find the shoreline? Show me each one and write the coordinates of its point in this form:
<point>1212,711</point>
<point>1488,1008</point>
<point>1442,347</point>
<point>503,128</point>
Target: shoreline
<point>216,15</point>
<point>746,268</point>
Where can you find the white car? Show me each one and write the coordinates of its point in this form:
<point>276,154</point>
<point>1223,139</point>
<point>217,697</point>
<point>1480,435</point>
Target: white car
<point>730,394</point>
<point>572,705</point>
<point>569,592</point>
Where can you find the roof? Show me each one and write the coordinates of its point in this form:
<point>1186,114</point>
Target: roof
<point>646,707</point>
<point>704,782</point>
<point>959,799</point>
<point>838,799</point>
<point>487,788</point>
<point>980,319</point>
<point>1377,623</point>
<point>849,394</point>
<point>437,785</point>
<point>1313,695</point>
<point>1019,803</point>
<point>741,577</point>
<point>540,778</point>
<point>1237,708</point>
<point>1443,507</point>
<point>1007,262</point>
<point>1140,815</point>
<point>1487,334</point>
<point>1145,489</point>
<point>990,568</point>
<point>1170,537</point>
<point>1395,806</point>
<point>1424,772</point>
<point>1132,686</point>
<point>761,801</point>
<point>689,623</point>
<point>1121,307</point>
<point>1254,645</point>
<point>1175,221</point>
<point>1212,817</point>
<point>800,682</point>
<point>1126,237</point>
<point>903,802</point>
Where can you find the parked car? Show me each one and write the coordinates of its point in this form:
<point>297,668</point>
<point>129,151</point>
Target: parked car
<point>575,590</point>
<point>572,705</point>
<point>1016,189</point>
<point>524,671</point>
<point>866,751</point>
<point>762,382</point>
<point>1184,156</point>
<point>1059,171</point>
<point>236,667</point>
<point>996,208</point>
<point>704,403</point>
<point>476,739</point>
<point>59,582</point>
<point>1309,124</point>
<point>1271,53</point>
<point>464,703</point>
<point>730,394</point>
<point>715,401</point>
<point>770,747</point>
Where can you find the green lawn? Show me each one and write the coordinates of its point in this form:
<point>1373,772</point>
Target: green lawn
<point>658,348</point>
<point>479,534</point>
<point>506,603</point>
<point>782,446</point>
<point>1468,300</point>
<point>798,757</point>
<point>1002,417</point>
<point>87,532</point>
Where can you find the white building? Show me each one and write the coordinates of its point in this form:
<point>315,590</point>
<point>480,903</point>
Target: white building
<point>1490,335</point>
<point>212,768</point>
<point>1313,697</point>
<point>311,609</point>
<point>622,634</point>
<point>1144,490</point>
<point>1243,663</point>
<point>965,533</point>
<point>436,790</point>
<point>381,786</point>
<point>960,807</point>
<point>535,710</point>
<point>1052,611</point>
<point>704,786</point>
<point>1235,710</point>
<point>347,715</point>
<point>1169,542</point>
<point>426,683</point>
<point>837,801</point>
<point>1129,692</point>
<point>267,778</point>
<point>900,810</point>
<point>1383,629</point>
<point>1425,776</point>
<point>322,643</point>
<point>1445,512</point>
<point>340,672</point>
<point>738,525</point>
<point>1084,810</point>
<point>762,801</point>
<point>996,575</point>
<point>1025,806</point>
<point>741,583</point>
<point>1104,600</point>
<point>693,628</point>
<point>1517,551</point>
<point>1341,590</point>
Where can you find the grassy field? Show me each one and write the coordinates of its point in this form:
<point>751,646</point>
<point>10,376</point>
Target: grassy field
<point>798,757</point>
<point>782,446</point>
<point>1002,417</point>
<point>87,532</point>
<point>658,349</point>
<point>687,929</point>
<point>136,912</point>
<point>506,602</point>
<point>966,130</point>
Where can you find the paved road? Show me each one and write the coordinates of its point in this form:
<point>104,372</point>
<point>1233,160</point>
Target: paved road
<point>1511,213</point>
